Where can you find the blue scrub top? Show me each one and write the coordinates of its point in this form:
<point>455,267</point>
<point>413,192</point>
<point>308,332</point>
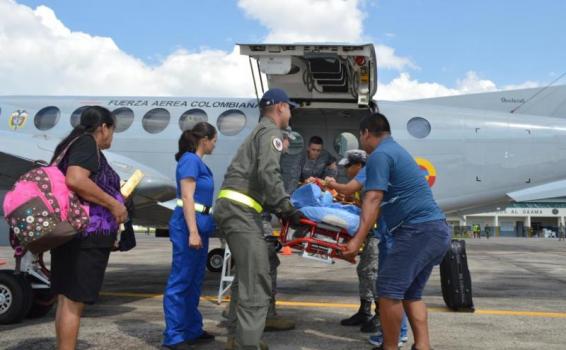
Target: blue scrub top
<point>191,166</point>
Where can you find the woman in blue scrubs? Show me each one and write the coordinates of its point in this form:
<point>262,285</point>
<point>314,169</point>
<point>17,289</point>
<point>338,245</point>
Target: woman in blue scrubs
<point>189,229</point>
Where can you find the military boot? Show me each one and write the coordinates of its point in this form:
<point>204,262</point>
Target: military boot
<point>231,344</point>
<point>362,316</point>
<point>278,323</point>
<point>373,324</point>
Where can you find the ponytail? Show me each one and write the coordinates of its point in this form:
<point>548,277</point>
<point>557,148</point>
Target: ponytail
<point>189,140</point>
<point>91,118</point>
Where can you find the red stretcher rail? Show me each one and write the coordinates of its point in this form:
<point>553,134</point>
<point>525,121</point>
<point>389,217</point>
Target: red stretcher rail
<point>318,239</point>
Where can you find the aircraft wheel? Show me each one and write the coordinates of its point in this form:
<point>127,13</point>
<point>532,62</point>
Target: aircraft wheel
<point>43,301</point>
<point>215,260</point>
<point>15,297</point>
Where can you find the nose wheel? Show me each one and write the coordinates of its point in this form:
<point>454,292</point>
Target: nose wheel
<point>215,260</point>
<point>15,297</point>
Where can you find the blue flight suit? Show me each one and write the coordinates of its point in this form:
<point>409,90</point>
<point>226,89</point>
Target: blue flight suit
<point>183,321</point>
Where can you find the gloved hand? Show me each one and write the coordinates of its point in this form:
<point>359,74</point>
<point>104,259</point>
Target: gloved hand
<point>293,215</point>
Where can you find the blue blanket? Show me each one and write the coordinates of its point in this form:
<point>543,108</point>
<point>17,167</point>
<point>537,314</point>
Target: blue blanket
<point>318,206</point>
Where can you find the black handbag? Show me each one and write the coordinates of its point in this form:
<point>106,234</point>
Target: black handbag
<point>127,237</point>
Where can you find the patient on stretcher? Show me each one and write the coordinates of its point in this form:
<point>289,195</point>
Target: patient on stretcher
<point>319,206</point>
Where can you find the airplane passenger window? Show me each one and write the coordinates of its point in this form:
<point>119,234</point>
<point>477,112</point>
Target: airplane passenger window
<point>156,120</point>
<point>231,122</point>
<point>297,145</point>
<point>418,127</point>
<point>47,118</point>
<point>344,142</point>
<point>124,118</point>
<point>191,117</point>
<point>76,116</point>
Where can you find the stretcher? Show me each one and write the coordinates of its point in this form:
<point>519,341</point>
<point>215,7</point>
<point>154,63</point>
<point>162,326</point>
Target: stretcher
<point>317,241</point>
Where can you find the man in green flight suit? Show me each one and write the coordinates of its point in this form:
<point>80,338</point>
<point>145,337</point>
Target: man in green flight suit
<point>251,185</point>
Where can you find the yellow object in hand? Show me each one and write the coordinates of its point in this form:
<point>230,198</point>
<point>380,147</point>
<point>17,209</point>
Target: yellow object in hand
<point>132,183</point>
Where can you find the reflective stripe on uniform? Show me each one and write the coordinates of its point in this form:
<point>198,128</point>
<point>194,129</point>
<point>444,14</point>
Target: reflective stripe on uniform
<point>198,207</point>
<point>241,198</point>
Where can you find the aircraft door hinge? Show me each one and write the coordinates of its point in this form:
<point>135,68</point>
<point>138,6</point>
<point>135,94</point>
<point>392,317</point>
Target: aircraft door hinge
<point>528,181</point>
<point>478,179</point>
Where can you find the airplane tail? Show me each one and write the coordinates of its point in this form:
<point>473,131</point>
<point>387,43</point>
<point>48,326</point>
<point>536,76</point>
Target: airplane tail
<point>549,101</point>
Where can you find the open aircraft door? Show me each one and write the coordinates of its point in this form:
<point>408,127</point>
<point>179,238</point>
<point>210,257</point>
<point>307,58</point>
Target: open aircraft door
<point>335,73</point>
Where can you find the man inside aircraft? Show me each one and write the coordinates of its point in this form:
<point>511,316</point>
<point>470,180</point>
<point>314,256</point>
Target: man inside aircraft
<point>421,234</point>
<point>253,182</point>
<point>316,162</point>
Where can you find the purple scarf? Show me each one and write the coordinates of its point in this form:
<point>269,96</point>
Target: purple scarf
<point>101,220</point>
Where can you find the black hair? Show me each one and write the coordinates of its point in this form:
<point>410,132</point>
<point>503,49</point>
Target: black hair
<point>375,123</point>
<point>188,142</point>
<point>317,140</point>
<point>362,163</point>
<point>91,118</point>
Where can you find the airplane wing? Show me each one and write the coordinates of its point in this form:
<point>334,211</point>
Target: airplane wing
<point>554,189</point>
<point>20,152</point>
<point>546,101</point>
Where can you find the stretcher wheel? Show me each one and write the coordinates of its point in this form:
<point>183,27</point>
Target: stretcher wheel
<point>215,260</point>
<point>43,301</point>
<point>15,297</point>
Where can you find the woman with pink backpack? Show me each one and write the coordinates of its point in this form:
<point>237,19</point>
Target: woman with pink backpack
<point>78,266</point>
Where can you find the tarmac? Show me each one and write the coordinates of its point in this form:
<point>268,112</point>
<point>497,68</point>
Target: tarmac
<point>519,288</point>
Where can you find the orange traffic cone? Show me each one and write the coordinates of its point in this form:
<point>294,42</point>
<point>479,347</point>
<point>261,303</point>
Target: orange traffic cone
<point>286,250</point>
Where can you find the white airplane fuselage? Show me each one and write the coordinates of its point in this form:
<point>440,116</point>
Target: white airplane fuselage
<point>477,156</point>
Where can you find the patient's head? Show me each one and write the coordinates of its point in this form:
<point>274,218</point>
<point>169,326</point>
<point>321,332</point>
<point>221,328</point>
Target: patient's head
<point>353,162</point>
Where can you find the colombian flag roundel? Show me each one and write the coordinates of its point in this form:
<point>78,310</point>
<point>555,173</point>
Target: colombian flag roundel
<point>428,170</point>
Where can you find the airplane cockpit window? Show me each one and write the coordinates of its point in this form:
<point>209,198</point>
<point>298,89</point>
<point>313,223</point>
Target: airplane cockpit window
<point>76,116</point>
<point>418,127</point>
<point>156,120</point>
<point>124,118</point>
<point>47,118</point>
<point>191,117</point>
<point>344,142</point>
<point>231,122</point>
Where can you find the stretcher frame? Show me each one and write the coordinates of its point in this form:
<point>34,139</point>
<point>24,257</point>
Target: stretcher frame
<point>321,242</point>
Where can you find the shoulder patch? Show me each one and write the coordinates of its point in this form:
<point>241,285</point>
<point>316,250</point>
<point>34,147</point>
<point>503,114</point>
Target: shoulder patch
<point>277,144</point>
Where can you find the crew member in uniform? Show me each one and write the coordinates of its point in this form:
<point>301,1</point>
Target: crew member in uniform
<point>251,185</point>
<point>190,227</point>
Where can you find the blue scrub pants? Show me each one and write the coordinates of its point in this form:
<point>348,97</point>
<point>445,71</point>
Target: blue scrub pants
<point>183,321</point>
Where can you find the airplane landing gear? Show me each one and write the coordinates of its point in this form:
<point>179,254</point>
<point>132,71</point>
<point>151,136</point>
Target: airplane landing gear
<point>215,260</point>
<point>25,293</point>
<point>15,297</point>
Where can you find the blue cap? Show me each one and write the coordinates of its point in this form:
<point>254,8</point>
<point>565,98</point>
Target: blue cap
<point>274,96</point>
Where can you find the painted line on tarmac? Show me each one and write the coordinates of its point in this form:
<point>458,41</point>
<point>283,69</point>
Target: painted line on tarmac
<point>306,304</point>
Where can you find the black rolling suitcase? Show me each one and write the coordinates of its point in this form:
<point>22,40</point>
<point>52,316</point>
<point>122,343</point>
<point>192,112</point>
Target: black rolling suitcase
<point>455,278</point>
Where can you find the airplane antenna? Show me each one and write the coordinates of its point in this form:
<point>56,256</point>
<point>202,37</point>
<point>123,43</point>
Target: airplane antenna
<point>253,79</point>
<point>537,93</point>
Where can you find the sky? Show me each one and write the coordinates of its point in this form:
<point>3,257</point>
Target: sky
<point>187,48</point>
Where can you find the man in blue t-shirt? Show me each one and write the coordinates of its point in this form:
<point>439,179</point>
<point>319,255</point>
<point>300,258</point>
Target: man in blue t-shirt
<point>396,188</point>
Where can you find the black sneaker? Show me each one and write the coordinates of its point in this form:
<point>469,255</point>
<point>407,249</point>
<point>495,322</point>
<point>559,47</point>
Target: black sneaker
<point>179,346</point>
<point>205,337</point>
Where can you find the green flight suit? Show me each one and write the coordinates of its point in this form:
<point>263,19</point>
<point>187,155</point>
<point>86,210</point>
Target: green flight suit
<point>254,171</point>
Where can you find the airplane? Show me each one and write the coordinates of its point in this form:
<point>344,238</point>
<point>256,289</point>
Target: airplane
<point>477,151</point>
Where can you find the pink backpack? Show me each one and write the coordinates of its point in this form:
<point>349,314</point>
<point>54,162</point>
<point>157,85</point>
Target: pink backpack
<point>41,210</point>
